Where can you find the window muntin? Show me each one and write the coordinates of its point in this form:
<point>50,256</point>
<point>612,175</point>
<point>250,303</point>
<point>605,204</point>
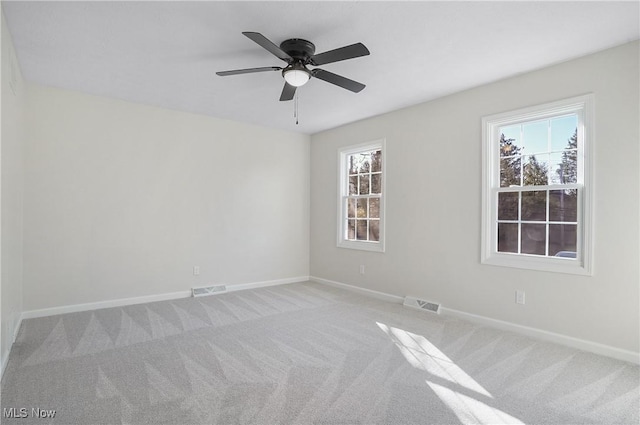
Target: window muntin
<point>537,187</point>
<point>361,197</point>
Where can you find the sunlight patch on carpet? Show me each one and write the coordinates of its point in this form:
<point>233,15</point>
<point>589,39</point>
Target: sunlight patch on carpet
<point>469,410</point>
<point>423,355</point>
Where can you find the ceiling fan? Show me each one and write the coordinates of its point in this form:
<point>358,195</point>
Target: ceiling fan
<point>298,54</point>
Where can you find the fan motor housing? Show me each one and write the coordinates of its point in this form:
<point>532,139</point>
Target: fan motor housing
<point>298,48</point>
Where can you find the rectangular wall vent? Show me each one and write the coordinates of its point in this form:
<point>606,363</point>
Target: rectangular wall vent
<point>208,290</point>
<point>421,304</point>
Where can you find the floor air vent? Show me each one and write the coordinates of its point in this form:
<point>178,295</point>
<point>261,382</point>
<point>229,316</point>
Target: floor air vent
<point>208,290</point>
<point>421,304</point>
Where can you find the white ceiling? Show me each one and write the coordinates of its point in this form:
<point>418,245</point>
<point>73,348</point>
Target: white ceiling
<point>166,53</point>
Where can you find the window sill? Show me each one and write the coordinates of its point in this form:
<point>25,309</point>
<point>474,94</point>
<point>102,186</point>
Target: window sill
<point>362,245</point>
<point>532,262</point>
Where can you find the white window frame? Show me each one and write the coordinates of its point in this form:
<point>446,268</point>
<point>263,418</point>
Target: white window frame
<point>583,107</point>
<point>343,192</point>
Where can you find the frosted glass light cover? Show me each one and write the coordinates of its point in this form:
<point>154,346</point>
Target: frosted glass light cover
<point>296,77</point>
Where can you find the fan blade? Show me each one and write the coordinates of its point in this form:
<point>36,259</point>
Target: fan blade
<point>288,91</point>
<point>248,70</point>
<point>338,80</point>
<point>343,53</point>
<point>265,43</point>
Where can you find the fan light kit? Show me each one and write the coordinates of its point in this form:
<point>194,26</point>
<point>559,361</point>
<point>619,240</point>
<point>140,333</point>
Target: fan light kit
<point>296,76</point>
<point>298,54</point>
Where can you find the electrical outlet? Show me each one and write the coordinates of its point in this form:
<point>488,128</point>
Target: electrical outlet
<point>196,270</point>
<point>362,269</point>
<point>520,297</point>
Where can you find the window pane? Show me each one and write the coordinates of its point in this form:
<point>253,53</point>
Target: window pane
<point>507,237</point>
<point>534,205</point>
<point>508,206</point>
<point>351,208</point>
<point>563,205</point>
<point>353,164</point>
<point>562,240</point>
<point>510,172</point>
<point>509,140</point>
<point>362,208</point>
<point>361,231</point>
<point>568,166</point>
<point>376,161</point>
<point>556,169</point>
<point>563,130</point>
<point>351,229</point>
<point>374,207</point>
<point>365,166</point>
<point>376,183</point>
<point>535,169</point>
<point>535,137</point>
<point>374,230</point>
<point>364,184</point>
<point>353,185</point>
<point>533,239</point>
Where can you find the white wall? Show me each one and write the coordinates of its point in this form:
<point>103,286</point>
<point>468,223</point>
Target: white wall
<point>11,152</point>
<point>433,205</point>
<point>122,200</point>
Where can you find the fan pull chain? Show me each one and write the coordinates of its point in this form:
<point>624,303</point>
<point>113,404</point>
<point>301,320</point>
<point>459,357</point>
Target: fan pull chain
<point>295,107</point>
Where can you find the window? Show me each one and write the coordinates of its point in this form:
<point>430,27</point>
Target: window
<point>361,197</point>
<point>537,187</point>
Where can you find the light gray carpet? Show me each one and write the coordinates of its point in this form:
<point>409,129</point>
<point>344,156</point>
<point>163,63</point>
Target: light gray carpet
<point>303,354</point>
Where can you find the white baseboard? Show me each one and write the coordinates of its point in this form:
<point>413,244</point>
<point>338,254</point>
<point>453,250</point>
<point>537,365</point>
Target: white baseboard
<point>369,292</point>
<point>581,344</point>
<point>74,308</point>
<point>253,285</point>
<point>148,298</point>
